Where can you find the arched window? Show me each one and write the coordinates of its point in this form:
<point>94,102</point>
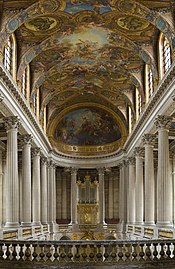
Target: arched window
<point>25,83</point>
<point>166,54</point>
<point>165,58</point>
<point>149,83</point>
<point>10,59</point>
<point>8,55</point>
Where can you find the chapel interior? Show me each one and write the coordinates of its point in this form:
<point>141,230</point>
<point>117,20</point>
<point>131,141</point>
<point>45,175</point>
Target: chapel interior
<point>87,134</point>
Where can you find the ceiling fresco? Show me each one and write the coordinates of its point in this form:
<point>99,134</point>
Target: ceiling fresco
<point>87,51</point>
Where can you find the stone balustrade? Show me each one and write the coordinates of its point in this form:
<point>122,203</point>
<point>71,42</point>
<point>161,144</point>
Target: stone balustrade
<point>87,252</point>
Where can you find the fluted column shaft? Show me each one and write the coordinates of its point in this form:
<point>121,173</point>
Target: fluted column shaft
<point>139,205</point>
<point>54,193</point>
<point>36,188</point>
<point>122,193</point>
<point>44,190</point>
<point>148,140</point>
<point>12,210</point>
<point>164,184</point>
<point>101,199</point>
<point>74,198</point>
<point>50,193</point>
<point>131,191</point>
<point>64,197</point>
<point>26,180</point>
<point>111,197</point>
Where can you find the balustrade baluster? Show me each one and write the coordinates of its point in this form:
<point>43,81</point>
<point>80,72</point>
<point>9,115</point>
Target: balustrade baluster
<point>84,253</point>
<point>70,254</point>
<point>148,251</point>
<point>42,254</point>
<point>168,252</point>
<point>35,254</point>
<point>92,253</point>
<point>128,251</point>
<point>1,251</point>
<point>77,254</point>
<point>162,251</point>
<point>134,253</point>
<point>62,253</point>
<point>21,251</point>
<point>48,253</point>
<point>155,252</point>
<point>8,253</point>
<point>114,252</point>
<point>106,254</point>
<point>99,253</point>
<point>141,252</point>
<point>56,255</point>
<point>120,252</point>
<point>28,256</point>
<point>14,253</point>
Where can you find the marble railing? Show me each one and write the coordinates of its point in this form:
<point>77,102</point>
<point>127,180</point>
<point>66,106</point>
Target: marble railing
<point>87,251</point>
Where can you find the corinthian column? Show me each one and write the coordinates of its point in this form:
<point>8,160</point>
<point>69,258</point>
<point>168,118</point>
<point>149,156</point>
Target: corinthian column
<point>44,190</point>
<point>131,191</point>
<point>139,185</point>
<point>122,193</point>
<point>101,199</point>
<point>164,190</point>
<point>149,140</point>
<point>26,179</point>
<point>73,196</point>
<point>50,192</point>
<point>12,202</point>
<point>36,187</point>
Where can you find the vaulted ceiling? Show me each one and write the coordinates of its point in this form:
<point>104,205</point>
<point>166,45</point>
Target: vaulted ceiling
<point>87,57</point>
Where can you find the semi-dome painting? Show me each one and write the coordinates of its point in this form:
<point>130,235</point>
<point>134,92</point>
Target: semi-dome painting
<point>87,126</point>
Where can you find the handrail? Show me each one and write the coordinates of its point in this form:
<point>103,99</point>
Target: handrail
<point>87,251</point>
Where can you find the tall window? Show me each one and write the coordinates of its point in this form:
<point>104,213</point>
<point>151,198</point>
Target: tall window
<point>10,59</point>
<point>150,83</point>
<point>8,55</point>
<point>24,83</point>
<point>166,54</point>
<point>138,103</point>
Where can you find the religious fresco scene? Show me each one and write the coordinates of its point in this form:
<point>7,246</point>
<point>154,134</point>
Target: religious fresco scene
<point>83,52</point>
<point>87,126</point>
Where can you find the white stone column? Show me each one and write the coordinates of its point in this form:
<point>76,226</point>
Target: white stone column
<point>131,191</point>
<point>164,184</point>
<point>149,140</point>
<point>101,199</point>
<point>111,196</point>
<point>12,211</point>
<point>1,190</point>
<point>26,141</point>
<point>64,197</point>
<point>122,192</point>
<point>50,192</point>
<point>139,205</point>
<point>4,187</point>
<point>44,190</point>
<point>54,193</point>
<point>73,196</point>
<point>36,187</point>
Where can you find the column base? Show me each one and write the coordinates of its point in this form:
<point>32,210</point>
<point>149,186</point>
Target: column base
<point>36,223</point>
<point>74,226</point>
<point>164,224</point>
<point>149,223</point>
<point>12,225</point>
<point>26,224</point>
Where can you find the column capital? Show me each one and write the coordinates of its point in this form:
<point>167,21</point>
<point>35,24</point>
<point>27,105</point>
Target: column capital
<point>122,164</point>
<point>26,139</point>
<point>74,170</point>
<point>44,160</point>
<point>12,122</point>
<point>36,152</point>
<point>149,139</point>
<point>163,122</point>
<point>138,152</point>
<point>131,160</point>
<point>101,170</point>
